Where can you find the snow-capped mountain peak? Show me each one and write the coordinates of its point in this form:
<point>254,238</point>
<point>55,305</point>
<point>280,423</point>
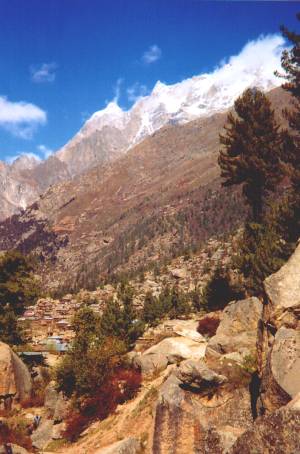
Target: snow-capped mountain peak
<point>203,95</point>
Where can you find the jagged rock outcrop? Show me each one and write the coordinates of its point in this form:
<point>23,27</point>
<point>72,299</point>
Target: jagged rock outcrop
<point>283,292</point>
<point>276,433</point>
<point>237,332</point>
<point>205,404</point>
<point>15,379</point>
<point>279,343</point>
<point>197,373</point>
<point>208,420</point>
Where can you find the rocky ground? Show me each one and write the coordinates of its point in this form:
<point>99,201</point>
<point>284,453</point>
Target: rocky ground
<point>236,390</point>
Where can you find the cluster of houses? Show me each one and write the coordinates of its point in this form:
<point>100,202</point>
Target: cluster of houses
<point>48,323</point>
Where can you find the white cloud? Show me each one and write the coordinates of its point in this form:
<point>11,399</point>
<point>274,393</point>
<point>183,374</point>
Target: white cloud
<point>46,152</point>
<point>136,91</point>
<point>43,73</point>
<point>259,57</point>
<point>20,118</point>
<point>151,55</point>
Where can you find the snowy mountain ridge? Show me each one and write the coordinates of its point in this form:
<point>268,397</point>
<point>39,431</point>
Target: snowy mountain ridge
<point>109,133</point>
<point>194,97</point>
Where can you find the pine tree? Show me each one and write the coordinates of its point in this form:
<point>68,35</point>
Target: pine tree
<point>290,62</point>
<point>152,310</point>
<point>18,287</point>
<point>251,151</point>
<point>120,319</point>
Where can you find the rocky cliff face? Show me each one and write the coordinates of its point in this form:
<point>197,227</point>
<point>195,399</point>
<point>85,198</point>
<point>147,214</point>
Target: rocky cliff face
<point>15,379</point>
<point>209,405</point>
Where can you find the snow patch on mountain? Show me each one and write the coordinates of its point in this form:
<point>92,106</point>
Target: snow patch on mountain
<point>195,97</point>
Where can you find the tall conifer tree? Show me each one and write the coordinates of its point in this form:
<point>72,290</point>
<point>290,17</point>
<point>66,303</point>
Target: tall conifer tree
<point>290,62</point>
<point>251,149</point>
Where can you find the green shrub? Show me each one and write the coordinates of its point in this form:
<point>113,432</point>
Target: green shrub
<point>172,303</point>
<point>153,310</point>
<point>120,319</point>
<point>261,252</point>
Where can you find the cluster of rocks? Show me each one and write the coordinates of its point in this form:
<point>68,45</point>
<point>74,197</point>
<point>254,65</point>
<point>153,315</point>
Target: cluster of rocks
<point>217,403</point>
<point>237,391</point>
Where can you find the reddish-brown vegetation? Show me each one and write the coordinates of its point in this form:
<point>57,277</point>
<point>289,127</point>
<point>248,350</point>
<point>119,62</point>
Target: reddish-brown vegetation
<point>208,326</point>
<point>122,386</point>
<point>15,434</point>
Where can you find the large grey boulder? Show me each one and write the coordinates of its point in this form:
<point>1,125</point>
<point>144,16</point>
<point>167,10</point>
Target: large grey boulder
<point>176,349</point>
<point>279,341</point>
<point>151,364</point>
<point>170,394</point>
<point>127,446</point>
<point>15,379</point>
<point>283,291</point>
<point>281,375</point>
<point>238,329</point>
<point>215,408</point>
<point>207,421</point>
<point>197,373</point>
<point>42,436</point>
<point>285,360</point>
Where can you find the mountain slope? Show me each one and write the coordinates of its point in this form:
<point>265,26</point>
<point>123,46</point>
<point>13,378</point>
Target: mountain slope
<point>164,195</point>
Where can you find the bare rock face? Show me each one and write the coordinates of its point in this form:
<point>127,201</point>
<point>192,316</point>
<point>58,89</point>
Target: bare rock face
<point>277,433</point>
<point>177,349</point>
<point>150,364</point>
<point>127,446</point>
<point>238,329</point>
<point>55,403</point>
<point>42,436</point>
<point>283,291</point>
<point>286,352</point>
<point>209,420</point>
<point>197,373</point>
<point>206,404</point>
<point>280,376</point>
<point>279,342</point>
<point>15,379</point>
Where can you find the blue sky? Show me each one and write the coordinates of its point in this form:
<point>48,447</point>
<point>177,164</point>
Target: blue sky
<point>62,60</point>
